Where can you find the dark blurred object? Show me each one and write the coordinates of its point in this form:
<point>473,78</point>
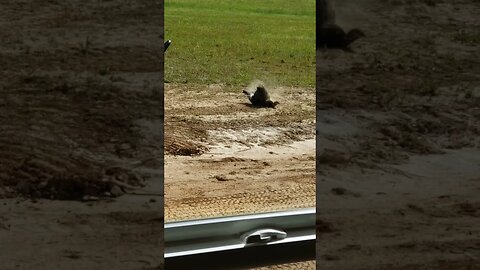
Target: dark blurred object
<point>332,36</point>
<point>329,34</point>
<point>259,256</point>
<point>166,45</point>
<point>325,13</point>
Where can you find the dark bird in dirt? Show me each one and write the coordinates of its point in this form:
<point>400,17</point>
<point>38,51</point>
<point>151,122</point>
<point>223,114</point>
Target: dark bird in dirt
<point>260,98</point>
<point>332,36</point>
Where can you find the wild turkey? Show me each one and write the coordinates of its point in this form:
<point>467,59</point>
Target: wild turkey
<point>261,98</point>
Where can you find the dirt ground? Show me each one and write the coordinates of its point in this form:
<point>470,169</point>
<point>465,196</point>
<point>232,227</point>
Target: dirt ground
<point>398,145</point>
<point>80,117</point>
<point>225,157</point>
<point>398,139</point>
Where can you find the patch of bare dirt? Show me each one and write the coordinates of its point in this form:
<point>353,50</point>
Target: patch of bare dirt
<point>225,157</point>
<point>200,116</point>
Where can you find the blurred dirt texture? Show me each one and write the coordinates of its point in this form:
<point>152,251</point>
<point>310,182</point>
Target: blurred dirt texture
<point>80,117</point>
<point>398,145</point>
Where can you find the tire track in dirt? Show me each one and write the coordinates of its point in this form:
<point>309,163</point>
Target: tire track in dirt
<point>289,266</point>
<point>301,196</point>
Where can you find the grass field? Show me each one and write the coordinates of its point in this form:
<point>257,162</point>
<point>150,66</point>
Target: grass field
<point>235,42</point>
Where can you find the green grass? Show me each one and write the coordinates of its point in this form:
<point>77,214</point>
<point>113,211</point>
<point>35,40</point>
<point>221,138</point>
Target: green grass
<point>235,42</point>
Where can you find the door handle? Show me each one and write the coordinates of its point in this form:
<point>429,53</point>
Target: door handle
<point>263,236</point>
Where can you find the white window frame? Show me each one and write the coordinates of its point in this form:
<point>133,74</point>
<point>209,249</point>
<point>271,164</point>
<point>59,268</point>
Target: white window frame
<point>211,235</point>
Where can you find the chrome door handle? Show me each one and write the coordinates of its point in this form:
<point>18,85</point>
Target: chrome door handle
<point>263,236</point>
